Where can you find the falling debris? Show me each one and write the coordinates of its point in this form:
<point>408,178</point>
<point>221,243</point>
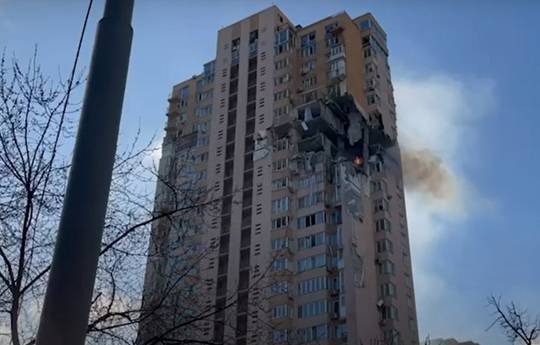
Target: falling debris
<point>425,172</point>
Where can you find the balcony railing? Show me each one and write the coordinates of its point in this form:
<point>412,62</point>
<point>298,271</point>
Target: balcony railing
<point>337,52</point>
<point>337,73</point>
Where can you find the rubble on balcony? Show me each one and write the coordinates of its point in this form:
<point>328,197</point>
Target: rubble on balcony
<point>317,142</point>
<point>379,140</point>
<point>262,146</point>
<point>352,186</point>
<point>316,117</point>
<point>281,124</point>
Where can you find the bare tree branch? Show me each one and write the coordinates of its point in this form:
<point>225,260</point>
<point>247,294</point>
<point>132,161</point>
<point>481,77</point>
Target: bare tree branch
<point>515,322</point>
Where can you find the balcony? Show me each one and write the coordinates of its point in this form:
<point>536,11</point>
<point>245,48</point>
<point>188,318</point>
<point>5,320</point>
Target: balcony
<point>318,142</point>
<point>336,52</point>
<point>379,139</point>
<point>338,73</point>
<point>316,117</point>
<point>174,99</point>
<point>282,124</point>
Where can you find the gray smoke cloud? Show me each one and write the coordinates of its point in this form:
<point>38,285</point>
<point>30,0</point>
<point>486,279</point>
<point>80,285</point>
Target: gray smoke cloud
<point>425,172</point>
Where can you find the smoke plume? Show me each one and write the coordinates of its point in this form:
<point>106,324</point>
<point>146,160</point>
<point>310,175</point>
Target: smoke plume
<point>425,172</point>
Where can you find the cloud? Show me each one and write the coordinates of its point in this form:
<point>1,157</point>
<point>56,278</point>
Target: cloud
<point>438,115</point>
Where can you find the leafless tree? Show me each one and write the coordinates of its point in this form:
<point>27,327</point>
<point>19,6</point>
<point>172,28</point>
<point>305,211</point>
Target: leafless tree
<point>515,322</point>
<point>36,135</point>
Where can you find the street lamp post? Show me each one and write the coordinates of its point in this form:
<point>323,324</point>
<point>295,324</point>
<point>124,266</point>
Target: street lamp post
<point>64,319</point>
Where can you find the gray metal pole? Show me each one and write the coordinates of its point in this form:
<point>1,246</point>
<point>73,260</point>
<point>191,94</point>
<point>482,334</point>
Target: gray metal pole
<point>64,318</point>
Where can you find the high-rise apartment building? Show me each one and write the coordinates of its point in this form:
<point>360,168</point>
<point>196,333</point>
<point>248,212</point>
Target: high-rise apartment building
<point>291,131</point>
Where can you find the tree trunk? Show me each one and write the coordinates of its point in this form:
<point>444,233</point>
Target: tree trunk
<point>14,322</point>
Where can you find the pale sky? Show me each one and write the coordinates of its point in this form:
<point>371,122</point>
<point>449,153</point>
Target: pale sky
<point>465,75</point>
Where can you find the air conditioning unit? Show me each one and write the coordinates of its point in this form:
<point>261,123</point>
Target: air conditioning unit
<point>380,303</point>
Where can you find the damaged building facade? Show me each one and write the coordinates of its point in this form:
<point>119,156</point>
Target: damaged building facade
<point>292,131</point>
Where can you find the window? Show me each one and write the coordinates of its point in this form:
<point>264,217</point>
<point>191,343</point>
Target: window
<point>308,50</point>
<point>386,267</point>
<point>309,83</point>
<point>370,68</point>
<point>311,241</point>
<point>311,262</point>
<point>365,25</point>
<point>389,313</point>
<point>280,64</point>
<point>280,336</point>
<point>280,183</point>
<point>312,285</point>
<point>283,36</point>
<point>378,186</point>
<point>337,68</point>
<point>384,246</point>
<point>278,96</point>
<point>202,175</point>
<point>311,199</point>
<point>307,39</point>
<point>203,157</point>
<point>281,111</point>
<point>201,127</point>
<point>328,29</point>
<point>280,205</point>
<point>387,290</point>
<point>280,265</point>
<point>280,164</point>
<point>373,99</point>
<point>383,225</point>
<point>279,288</point>
<point>280,243</point>
<point>282,79</point>
<point>235,50</point>
<point>183,117</point>
<point>312,309</point>
<point>341,330</point>
<point>282,311</point>
<point>367,52</point>
<point>281,144</point>
<point>308,44</point>
<point>209,69</point>
<point>203,111</point>
<point>201,96</point>
<point>314,333</point>
<point>280,222</point>
<point>336,90</point>
<point>283,41</point>
<point>252,94</point>
<point>202,141</point>
<point>308,66</point>
<point>310,96</point>
<point>381,205</point>
<point>311,180</point>
<point>312,219</point>
<point>252,78</point>
<point>184,95</point>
